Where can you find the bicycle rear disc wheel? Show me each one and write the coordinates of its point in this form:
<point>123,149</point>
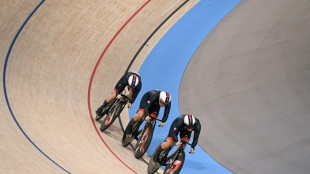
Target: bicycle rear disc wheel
<point>98,117</point>
<point>152,167</point>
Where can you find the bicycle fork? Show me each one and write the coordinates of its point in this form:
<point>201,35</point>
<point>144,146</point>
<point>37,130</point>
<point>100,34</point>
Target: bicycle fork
<point>175,164</point>
<point>143,141</point>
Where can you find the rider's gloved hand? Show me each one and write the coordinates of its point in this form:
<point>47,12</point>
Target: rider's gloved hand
<point>161,124</point>
<point>129,105</point>
<point>178,143</point>
<point>192,151</point>
<point>147,118</point>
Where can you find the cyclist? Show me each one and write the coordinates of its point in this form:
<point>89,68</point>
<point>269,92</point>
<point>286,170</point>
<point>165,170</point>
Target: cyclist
<point>149,106</point>
<point>130,79</point>
<point>184,125</point>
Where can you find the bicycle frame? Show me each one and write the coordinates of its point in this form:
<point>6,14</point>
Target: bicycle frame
<point>176,160</point>
<point>114,111</point>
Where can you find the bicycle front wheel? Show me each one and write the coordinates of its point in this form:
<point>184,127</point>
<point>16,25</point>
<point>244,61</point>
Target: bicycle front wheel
<point>113,113</point>
<point>175,164</point>
<point>144,141</point>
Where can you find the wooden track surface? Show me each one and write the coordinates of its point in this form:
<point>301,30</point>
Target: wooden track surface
<point>48,73</point>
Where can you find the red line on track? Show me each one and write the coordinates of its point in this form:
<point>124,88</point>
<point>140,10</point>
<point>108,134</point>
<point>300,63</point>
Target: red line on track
<point>93,74</point>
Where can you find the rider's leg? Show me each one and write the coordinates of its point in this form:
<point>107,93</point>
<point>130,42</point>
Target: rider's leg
<point>169,143</point>
<point>186,139</point>
<point>137,117</point>
<point>165,145</point>
<point>106,102</point>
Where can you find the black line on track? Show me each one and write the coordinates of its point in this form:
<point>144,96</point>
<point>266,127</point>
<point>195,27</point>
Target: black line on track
<point>160,25</point>
<point>138,52</point>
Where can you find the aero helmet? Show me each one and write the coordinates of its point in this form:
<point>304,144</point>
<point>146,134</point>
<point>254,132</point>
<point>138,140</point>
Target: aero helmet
<point>133,81</point>
<point>164,97</point>
<point>189,121</point>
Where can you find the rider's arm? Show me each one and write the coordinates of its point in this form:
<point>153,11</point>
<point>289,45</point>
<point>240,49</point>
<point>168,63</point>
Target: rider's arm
<point>196,134</point>
<point>135,94</point>
<point>166,113</point>
<point>121,84</point>
<point>175,127</point>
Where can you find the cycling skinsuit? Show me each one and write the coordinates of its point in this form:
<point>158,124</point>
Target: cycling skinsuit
<point>150,105</point>
<point>178,126</point>
<point>123,82</point>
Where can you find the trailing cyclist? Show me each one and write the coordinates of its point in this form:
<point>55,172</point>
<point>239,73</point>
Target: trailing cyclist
<point>130,79</point>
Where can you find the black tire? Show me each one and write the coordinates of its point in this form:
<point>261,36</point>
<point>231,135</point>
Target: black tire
<point>175,166</point>
<point>126,140</point>
<point>144,141</point>
<point>104,110</point>
<point>98,117</point>
<point>153,167</point>
<point>113,113</point>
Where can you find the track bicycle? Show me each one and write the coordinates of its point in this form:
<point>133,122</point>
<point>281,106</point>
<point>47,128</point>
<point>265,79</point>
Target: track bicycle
<point>173,163</point>
<point>112,111</point>
<point>145,137</point>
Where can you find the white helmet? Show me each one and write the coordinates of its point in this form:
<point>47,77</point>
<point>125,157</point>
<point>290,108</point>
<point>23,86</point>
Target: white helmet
<point>164,97</point>
<point>133,81</point>
<point>189,121</point>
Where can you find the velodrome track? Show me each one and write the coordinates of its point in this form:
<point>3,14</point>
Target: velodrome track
<point>53,77</point>
<point>55,74</point>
